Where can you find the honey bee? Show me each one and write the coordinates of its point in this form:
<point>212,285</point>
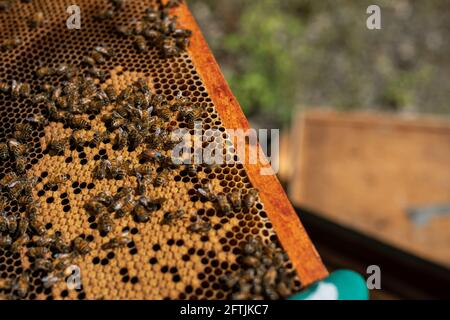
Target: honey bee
<point>81,246</point>
<point>21,284</point>
<point>134,139</point>
<point>5,5</point>
<point>250,261</point>
<point>10,180</point>
<point>120,139</point>
<point>98,57</point>
<point>89,61</point>
<point>97,73</point>
<point>235,199</point>
<point>38,120</point>
<point>104,198</point>
<point>125,94</point>
<point>22,227</point>
<point>111,93</point>
<point>123,205</point>
<point>57,147</point>
<point>32,210</point>
<point>62,102</point>
<point>43,264</point>
<point>19,89</point>
<point>105,223</point>
<point>20,242</point>
<point>44,71</point>
<point>21,164</point>
<point>54,113</point>
<point>76,139</point>
<point>37,20</point>
<point>95,208</point>
<point>119,169</point>
<point>4,151</point>
<point>160,179</point>
<point>164,112</point>
<point>104,15</point>
<point>67,71</point>
<point>5,241</point>
<point>143,183</point>
<point>99,137</point>
<point>79,123</point>
<point>49,280</point>
<point>24,200</point>
<point>11,43</point>
<point>105,51</point>
<point>102,170</point>
<point>199,227</point>
<point>182,33</point>
<point>12,224</point>
<point>205,191</point>
<point>122,30</point>
<point>191,114</point>
<point>182,43</point>
<point>38,252</point>
<point>223,203</point>
<point>23,131</point>
<point>37,227</point>
<point>141,214</point>
<point>250,198</point>
<point>173,3</point>
<point>16,148</point>
<point>3,216</point>
<point>57,180</point>
<point>142,84</point>
<point>170,217</point>
<point>150,155</point>
<point>39,98</point>
<point>140,43</point>
<point>191,169</point>
<point>114,121</point>
<point>252,247</point>
<point>4,87</point>
<point>47,88</point>
<point>42,241</point>
<point>63,260</point>
<point>143,170</point>
<point>180,102</point>
<point>28,183</point>
<point>170,50</point>
<point>2,207</point>
<point>116,242</point>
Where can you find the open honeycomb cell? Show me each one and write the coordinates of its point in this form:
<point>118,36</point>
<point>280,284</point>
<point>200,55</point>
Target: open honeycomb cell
<point>161,261</point>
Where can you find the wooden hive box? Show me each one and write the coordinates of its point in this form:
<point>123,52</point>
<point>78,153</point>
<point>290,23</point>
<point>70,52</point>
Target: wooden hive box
<point>365,171</point>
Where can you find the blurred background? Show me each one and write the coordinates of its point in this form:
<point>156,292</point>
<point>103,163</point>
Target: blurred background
<point>364,119</point>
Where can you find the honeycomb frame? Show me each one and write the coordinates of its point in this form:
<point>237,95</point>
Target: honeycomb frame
<point>188,266</point>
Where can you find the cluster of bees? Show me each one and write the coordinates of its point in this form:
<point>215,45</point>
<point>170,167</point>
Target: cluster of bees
<point>155,29</point>
<point>263,274</point>
<point>48,253</point>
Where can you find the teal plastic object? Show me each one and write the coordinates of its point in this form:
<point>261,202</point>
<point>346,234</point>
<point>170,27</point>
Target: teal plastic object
<point>340,285</point>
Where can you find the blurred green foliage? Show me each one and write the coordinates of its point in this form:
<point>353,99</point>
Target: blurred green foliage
<point>282,55</point>
<point>264,76</point>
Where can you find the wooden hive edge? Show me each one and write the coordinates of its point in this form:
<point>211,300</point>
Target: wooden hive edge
<point>282,215</point>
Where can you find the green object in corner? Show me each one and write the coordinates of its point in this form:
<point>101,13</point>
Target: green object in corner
<point>340,285</point>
